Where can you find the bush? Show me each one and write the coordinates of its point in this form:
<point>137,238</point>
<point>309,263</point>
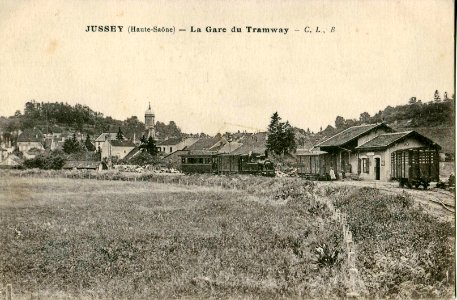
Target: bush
<point>46,162</point>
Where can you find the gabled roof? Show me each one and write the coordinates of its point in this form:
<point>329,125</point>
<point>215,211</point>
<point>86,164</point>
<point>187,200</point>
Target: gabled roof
<point>134,152</point>
<point>31,135</point>
<point>385,140</point>
<point>118,143</point>
<point>229,147</point>
<point>350,134</point>
<point>81,164</point>
<point>204,143</point>
<point>102,137</point>
<point>170,142</point>
<point>253,143</point>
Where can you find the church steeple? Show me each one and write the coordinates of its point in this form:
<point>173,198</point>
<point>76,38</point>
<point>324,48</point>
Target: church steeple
<point>149,122</point>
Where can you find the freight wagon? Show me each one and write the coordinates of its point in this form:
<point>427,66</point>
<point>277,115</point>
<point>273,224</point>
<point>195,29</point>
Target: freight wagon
<point>415,167</point>
<point>315,165</point>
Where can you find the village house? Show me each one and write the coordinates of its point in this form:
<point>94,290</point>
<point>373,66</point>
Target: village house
<point>116,148</point>
<point>171,145</point>
<point>103,137</point>
<point>11,162</point>
<point>29,139</point>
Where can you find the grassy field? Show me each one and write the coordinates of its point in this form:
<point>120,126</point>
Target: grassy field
<point>141,240</point>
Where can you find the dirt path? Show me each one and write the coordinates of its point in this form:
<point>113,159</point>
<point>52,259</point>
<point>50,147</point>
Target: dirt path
<point>430,200</point>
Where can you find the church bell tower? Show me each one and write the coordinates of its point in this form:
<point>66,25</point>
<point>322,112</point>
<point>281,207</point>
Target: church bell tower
<point>149,122</point>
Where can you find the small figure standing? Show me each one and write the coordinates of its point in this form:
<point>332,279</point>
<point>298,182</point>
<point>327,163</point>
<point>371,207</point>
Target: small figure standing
<point>332,174</point>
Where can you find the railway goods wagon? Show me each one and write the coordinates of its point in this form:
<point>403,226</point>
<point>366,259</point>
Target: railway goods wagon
<point>415,167</point>
<point>314,165</point>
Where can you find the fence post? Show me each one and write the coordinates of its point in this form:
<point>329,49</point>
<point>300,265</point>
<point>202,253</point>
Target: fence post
<point>9,291</point>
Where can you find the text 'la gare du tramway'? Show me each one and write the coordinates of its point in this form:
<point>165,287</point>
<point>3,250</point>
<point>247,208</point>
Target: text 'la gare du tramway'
<point>248,29</point>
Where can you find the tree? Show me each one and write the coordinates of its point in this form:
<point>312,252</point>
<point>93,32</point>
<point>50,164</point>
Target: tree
<point>72,145</point>
<point>148,145</point>
<point>288,138</point>
<point>273,141</point>
<point>339,122</point>
<point>281,136</point>
<point>119,135</point>
<point>88,144</point>
<point>364,117</point>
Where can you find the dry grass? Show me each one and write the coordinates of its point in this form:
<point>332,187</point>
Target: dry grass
<point>141,240</point>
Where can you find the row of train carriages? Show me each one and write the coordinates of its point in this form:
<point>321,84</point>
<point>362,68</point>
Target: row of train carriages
<point>226,163</point>
<point>365,152</point>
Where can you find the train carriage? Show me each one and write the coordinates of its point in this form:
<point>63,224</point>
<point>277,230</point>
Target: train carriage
<point>415,167</point>
<point>211,162</point>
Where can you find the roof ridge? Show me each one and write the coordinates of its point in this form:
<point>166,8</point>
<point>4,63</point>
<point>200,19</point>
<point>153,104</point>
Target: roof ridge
<point>341,132</point>
<point>396,132</point>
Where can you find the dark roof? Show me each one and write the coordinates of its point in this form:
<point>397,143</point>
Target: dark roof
<point>81,164</point>
<point>170,141</point>
<point>102,137</point>
<point>176,153</point>
<point>132,154</point>
<point>387,139</point>
<point>31,135</point>
<point>253,143</point>
<point>204,143</point>
<point>118,143</point>
<point>229,147</point>
<point>350,134</point>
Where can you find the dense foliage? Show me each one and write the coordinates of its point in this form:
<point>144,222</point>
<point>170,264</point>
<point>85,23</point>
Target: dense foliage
<point>414,114</point>
<point>402,251</point>
<point>281,136</point>
<point>72,145</point>
<point>63,116</point>
<point>51,161</point>
<point>148,145</point>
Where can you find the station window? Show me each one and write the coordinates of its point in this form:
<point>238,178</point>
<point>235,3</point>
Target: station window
<point>365,165</point>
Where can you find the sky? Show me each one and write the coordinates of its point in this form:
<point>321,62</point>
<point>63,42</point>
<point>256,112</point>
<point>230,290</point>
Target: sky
<point>381,53</point>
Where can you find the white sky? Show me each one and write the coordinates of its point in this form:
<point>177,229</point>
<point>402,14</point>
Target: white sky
<point>383,52</point>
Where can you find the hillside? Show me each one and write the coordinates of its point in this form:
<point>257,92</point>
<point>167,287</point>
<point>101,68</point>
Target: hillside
<point>434,119</point>
<point>62,117</point>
